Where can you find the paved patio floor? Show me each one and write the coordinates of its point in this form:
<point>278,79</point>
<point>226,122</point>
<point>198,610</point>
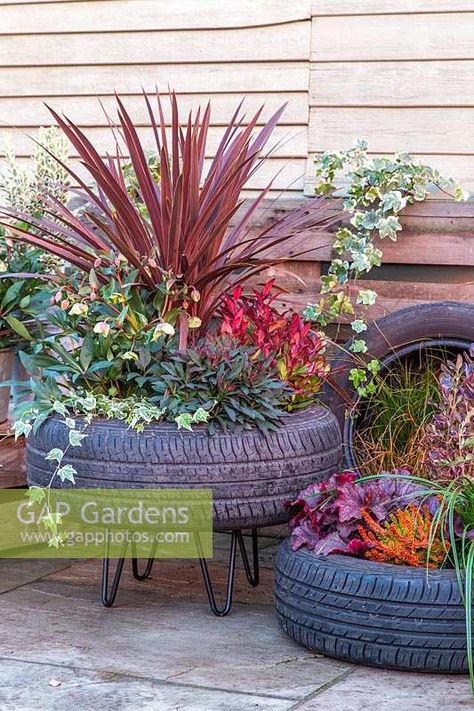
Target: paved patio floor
<point>160,648</point>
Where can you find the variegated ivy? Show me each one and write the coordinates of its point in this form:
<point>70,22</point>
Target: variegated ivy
<point>77,412</point>
<point>376,190</point>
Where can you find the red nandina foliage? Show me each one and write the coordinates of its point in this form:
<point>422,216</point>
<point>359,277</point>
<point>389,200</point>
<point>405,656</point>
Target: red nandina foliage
<point>297,351</point>
<point>187,223</point>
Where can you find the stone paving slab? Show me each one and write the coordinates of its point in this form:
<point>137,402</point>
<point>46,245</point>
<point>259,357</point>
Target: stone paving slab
<point>83,691</point>
<point>161,648</point>
<point>168,640</point>
<point>15,573</point>
<point>366,689</point>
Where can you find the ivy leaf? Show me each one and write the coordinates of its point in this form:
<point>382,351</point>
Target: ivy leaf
<point>66,473</point>
<point>388,227</point>
<point>35,494</point>
<point>51,521</point>
<point>22,427</point>
<point>59,407</point>
<point>56,540</point>
<point>374,366</point>
<point>358,325</point>
<point>55,454</point>
<point>366,297</point>
<point>393,201</point>
<point>184,421</point>
<point>75,438</point>
<point>357,376</point>
<point>201,415</point>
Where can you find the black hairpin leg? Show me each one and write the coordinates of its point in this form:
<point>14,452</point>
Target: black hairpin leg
<point>109,592</point>
<point>149,564</point>
<point>108,597</point>
<point>252,576</point>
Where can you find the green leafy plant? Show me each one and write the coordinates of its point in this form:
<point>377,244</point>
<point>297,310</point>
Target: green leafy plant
<point>99,335</point>
<point>390,422</point>
<point>25,271</point>
<point>235,384</point>
<point>26,190</point>
<point>377,189</point>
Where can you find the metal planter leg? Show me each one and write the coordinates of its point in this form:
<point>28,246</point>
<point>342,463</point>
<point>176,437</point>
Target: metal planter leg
<point>149,564</point>
<point>251,567</point>
<point>108,596</point>
<point>251,573</point>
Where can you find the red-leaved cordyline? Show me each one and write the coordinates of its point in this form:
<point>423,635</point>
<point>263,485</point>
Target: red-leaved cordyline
<point>189,223</point>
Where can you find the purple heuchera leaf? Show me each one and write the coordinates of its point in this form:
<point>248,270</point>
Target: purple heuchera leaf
<point>326,517</point>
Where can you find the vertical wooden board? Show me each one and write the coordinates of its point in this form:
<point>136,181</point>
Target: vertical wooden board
<point>393,37</point>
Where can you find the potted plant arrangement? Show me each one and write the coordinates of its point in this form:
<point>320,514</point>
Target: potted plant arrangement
<point>159,369</point>
<point>378,569</point>
<point>378,565</point>
<point>25,270</point>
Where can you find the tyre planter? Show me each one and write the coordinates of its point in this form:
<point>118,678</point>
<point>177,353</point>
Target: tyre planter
<point>371,613</point>
<point>419,350</point>
<point>408,328</point>
<point>252,474</point>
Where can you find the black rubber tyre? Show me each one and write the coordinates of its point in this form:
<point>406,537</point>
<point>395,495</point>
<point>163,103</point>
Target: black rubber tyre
<point>371,613</point>
<point>252,473</point>
<point>415,324</point>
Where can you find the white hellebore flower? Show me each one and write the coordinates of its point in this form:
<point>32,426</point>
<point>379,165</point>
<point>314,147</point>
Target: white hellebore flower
<point>78,310</point>
<point>163,327</point>
<point>194,322</point>
<point>102,328</point>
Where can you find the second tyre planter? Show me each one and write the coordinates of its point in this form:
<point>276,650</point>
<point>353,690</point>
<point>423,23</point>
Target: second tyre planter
<point>372,613</point>
<point>415,325</point>
<point>252,473</point>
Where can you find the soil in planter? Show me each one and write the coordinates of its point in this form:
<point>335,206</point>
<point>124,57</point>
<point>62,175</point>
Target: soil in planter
<point>389,425</point>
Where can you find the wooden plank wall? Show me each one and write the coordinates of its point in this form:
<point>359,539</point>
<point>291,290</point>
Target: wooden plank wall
<point>398,73</point>
<point>69,52</point>
<point>433,259</point>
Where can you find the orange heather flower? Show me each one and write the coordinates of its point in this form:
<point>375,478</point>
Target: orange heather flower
<point>404,539</point>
